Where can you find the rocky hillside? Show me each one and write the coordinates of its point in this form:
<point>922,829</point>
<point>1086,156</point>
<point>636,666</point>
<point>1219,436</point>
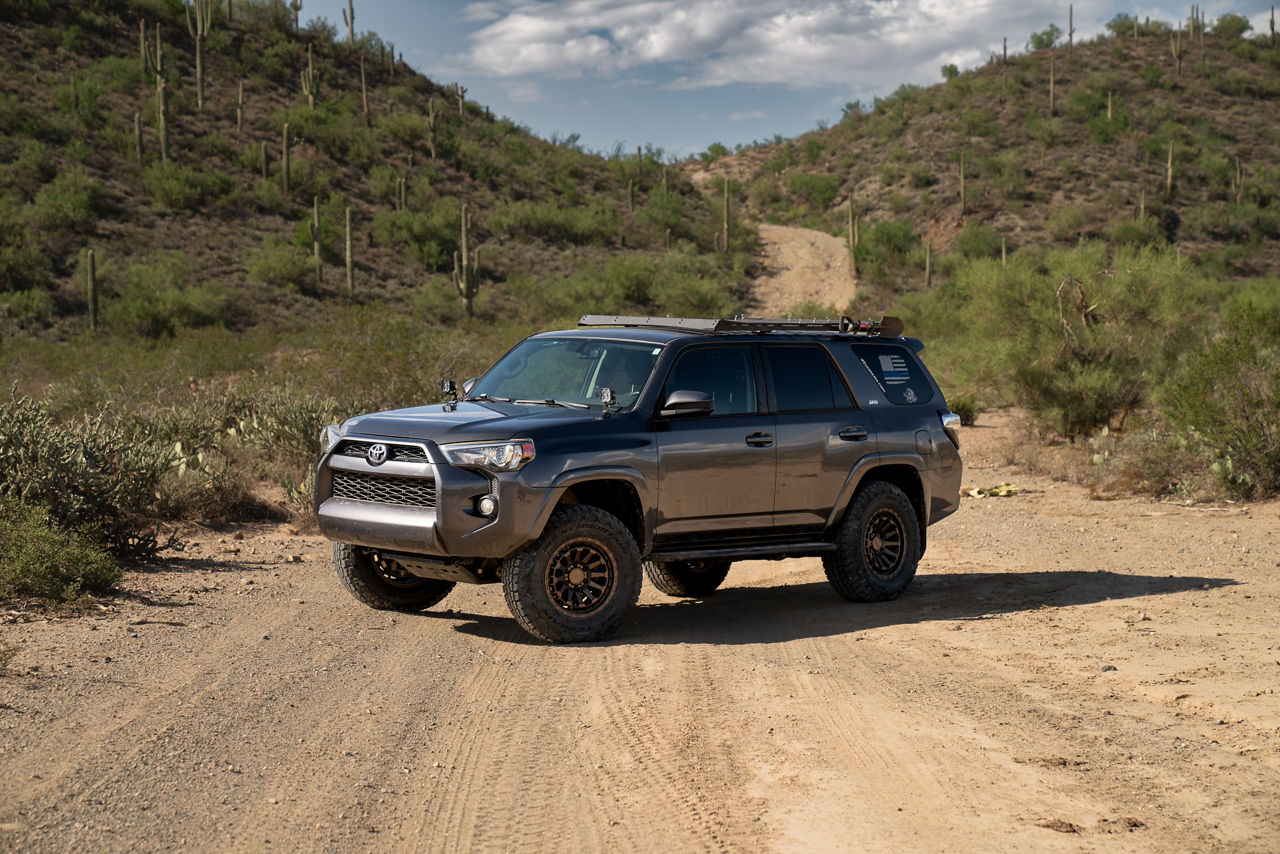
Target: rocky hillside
<point>155,135</point>
<point>1146,136</point>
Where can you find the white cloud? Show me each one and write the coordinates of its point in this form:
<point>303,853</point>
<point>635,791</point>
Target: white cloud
<point>753,114</point>
<point>524,92</point>
<point>708,43</point>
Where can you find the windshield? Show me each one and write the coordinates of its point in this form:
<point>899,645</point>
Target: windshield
<point>570,370</point>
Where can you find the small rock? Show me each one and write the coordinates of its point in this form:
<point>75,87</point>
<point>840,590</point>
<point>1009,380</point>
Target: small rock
<point>238,535</point>
<point>1108,668</point>
<point>246,581</point>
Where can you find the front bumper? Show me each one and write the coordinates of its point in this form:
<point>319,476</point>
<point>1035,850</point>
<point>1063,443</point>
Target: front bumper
<point>451,527</point>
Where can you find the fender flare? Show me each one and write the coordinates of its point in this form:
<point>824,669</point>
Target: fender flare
<point>566,480</point>
<point>874,461</point>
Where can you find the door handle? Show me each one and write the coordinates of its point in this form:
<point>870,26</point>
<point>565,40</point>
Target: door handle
<point>854,434</point>
<point>760,440</point>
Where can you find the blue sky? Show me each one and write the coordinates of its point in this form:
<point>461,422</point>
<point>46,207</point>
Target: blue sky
<point>681,74</point>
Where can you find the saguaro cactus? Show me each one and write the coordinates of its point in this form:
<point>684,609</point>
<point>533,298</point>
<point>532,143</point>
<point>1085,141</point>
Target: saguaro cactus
<point>91,282</point>
<point>724,226</point>
<point>313,230</point>
<point>284,163</point>
<point>310,81</point>
<point>364,95</point>
<point>295,6</point>
<point>137,134</point>
<point>162,117</point>
<point>350,262</point>
<point>433,115</point>
<point>349,18</point>
<point>1168,175</point>
<point>962,187</point>
<point>466,268</point>
<point>199,31</point>
<point>1052,74</point>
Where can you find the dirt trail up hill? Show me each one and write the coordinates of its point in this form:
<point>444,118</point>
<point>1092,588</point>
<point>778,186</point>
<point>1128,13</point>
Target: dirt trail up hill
<point>801,265</point>
<point>1064,675</point>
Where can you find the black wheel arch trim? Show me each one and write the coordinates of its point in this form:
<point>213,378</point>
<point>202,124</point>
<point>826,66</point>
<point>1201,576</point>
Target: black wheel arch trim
<point>869,464</point>
<point>565,481</point>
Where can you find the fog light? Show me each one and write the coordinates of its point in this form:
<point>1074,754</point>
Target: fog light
<point>487,505</point>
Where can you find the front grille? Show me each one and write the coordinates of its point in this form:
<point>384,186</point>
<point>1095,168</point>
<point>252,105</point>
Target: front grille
<point>385,489</point>
<point>396,453</point>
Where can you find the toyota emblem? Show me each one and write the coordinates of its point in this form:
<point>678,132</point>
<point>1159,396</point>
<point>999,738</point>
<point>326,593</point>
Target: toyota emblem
<point>377,454</point>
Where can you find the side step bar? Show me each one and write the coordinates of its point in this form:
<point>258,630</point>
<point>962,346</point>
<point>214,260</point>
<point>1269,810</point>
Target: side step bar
<point>775,551</point>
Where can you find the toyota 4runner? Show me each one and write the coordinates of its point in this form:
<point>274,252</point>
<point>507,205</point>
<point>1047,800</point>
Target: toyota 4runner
<point>668,445</point>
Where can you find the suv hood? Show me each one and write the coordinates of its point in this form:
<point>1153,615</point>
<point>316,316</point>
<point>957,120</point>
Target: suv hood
<point>468,422</point>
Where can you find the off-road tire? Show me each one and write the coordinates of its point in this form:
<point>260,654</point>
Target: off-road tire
<point>686,578</point>
<point>579,581</point>
<point>381,587</point>
<point>878,546</point>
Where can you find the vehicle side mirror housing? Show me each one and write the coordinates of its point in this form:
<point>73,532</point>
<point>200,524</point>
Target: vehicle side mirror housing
<point>685,403</point>
<point>469,384</point>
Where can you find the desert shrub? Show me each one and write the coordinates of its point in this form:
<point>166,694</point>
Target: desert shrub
<point>430,237</point>
<point>157,299</point>
<point>280,265</point>
<point>67,204</point>
<point>32,307</point>
<point>893,239</point>
<point>286,421</point>
<point>1076,338</point>
<point>1004,173</point>
<point>979,121</point>
<point>41,559</point>
<point>90,472</point>
<point>663,210</point>
<point>920,176</point>
<point>714,152</point>
<point>1231,26</point>
<point>1067,223</point>
<point>950,72</point>
<point>818,190</point>
<point>595,223</point>
<point>31,167</point>
<point>1229,395</point>
<point>1044,39</point>
<point>978,241</point>
<point>183,187</point>
<point>764,192</point>
<point>964,404</point>
<point>1126,231</point>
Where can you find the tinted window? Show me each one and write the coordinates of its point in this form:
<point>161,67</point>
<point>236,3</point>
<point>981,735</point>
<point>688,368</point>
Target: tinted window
<point>897,372</point>
<point>804,379</point>
<point>725,373</point>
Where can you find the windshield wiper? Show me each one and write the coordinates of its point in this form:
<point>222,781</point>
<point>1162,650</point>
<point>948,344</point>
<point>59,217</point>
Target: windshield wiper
<point>481,397</point>
<point>550,401</point>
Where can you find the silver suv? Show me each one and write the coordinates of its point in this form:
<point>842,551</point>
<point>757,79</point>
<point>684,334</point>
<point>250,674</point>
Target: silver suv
<point>673,446</point>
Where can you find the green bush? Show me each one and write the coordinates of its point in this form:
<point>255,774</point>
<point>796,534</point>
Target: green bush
<point>1045,39</point>
<point>32,307</point>
<point>42,560</point>
<point>91,472</point>
<point>183,187</point>
<point>67,204</point>
<point>1229,395</point>
<point>157,299</point>
<point>595,223</point>
<point>1076,338</point>
<point>430,237</point>
<point>818,190</point>
<point>280,265</point>
<point>978,241</point>
<point>1231,26</point>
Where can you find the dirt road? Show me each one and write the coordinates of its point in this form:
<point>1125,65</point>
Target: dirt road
<point>801,265</point>
<point>240,700</point>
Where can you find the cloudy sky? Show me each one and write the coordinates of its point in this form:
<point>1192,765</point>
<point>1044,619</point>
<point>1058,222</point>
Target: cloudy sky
<point>682,74</point>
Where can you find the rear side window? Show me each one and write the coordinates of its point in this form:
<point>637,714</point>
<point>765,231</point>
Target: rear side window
<point>897,372</point>
<point>804,379</point>
<point>727,374</point>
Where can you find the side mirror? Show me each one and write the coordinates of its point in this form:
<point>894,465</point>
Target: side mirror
<point>469,384</point>
<point>685,404</point>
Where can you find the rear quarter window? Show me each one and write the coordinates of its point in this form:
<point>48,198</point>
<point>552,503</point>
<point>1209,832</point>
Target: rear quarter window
<point>897,373</point>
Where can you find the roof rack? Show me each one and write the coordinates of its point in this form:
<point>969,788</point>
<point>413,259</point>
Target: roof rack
<point>885,327</point>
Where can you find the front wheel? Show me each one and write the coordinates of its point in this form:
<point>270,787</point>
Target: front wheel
<point>579,581</point>
<point>878,546</point>
<point>383,584</point>
<point>689,578</point>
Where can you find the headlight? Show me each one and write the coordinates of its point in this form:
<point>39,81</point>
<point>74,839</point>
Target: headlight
<point>495,456</point>
<point>329,437</point>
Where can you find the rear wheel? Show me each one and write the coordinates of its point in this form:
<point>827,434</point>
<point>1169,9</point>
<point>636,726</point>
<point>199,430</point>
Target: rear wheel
<point>579,581</point>
<point>878,546</point>
<point>383,584</point>
<point>686,577</point>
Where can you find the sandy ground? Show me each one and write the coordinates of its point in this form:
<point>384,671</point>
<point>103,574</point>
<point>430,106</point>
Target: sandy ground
<point>1064,674</point>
